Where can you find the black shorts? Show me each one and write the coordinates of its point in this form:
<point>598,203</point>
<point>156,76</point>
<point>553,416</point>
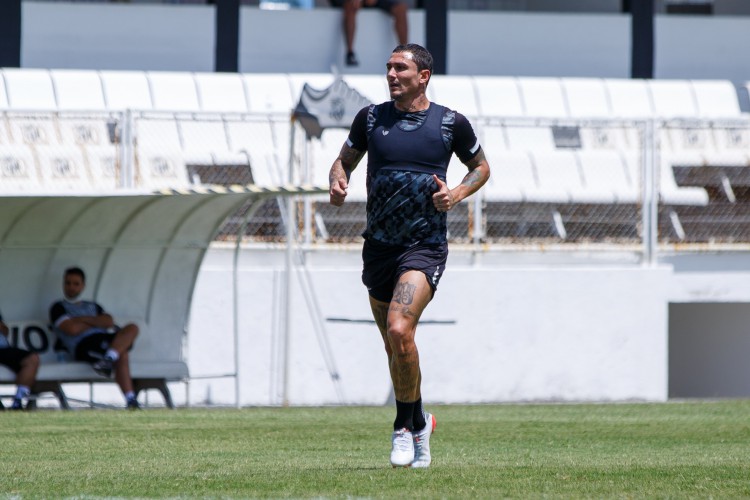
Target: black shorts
<point>93,347</point>
<point>12,357</point>
<point>385,5</point>
<point>384,264</point>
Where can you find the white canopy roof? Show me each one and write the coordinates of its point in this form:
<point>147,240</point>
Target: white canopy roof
<point>141,253</point>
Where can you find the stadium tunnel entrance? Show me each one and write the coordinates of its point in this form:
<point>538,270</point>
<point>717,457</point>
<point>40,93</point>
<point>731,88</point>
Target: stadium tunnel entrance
<point>709,344</point>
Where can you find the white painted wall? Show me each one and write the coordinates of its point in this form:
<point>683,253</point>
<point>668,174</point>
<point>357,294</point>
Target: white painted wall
<point>111,36</point>
<point>521,333</point>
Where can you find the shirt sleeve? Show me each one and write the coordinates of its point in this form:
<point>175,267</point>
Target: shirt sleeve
<point>358,133</point>
<point>57,313</point>
<point>465,142</point>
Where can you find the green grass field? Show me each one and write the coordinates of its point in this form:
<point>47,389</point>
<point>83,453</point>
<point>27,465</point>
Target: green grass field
<point>676,450</point>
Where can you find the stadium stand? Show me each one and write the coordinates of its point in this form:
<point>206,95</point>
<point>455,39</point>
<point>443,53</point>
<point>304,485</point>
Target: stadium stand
<point>581,135</point>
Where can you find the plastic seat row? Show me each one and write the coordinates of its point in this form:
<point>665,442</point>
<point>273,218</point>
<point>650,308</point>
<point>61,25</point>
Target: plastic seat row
<point>37,89</point>
<point>585,177</point>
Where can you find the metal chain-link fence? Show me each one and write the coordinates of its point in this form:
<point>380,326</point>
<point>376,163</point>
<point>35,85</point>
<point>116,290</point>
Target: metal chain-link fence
<point>561,182</point>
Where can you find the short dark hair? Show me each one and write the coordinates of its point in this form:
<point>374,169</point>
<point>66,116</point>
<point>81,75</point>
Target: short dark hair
<point>421,56</point>
<point>77,271</point>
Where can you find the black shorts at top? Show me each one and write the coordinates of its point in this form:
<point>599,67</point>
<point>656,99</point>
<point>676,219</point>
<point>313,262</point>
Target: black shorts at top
<point>93,347</point>
<point>384,264</point>
<point>385,5</point>
<point>12,357</point>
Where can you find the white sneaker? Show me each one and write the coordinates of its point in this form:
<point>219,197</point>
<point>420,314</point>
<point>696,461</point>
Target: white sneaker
<point>422,457</point>
<point>402,452</point>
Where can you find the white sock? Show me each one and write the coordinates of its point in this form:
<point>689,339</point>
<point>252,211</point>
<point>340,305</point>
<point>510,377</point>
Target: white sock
<point>129,395</point>
<point>112,354</point>
<point>22,392</point>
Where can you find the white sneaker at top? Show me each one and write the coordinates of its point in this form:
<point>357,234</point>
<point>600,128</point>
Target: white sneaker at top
<point>422,457</point>
<point>402,452</point>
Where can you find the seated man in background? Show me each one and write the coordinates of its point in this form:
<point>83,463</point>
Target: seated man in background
<point>90,334</point>
<point>23,363</point>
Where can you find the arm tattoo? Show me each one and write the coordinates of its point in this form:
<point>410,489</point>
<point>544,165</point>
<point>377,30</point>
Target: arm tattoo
<point>472,178</point>
<point>350,158</point>
<point>477,160</point>
<point>404,293</point>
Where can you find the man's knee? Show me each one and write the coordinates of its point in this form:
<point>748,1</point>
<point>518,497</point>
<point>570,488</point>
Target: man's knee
<point>401,337</point>
<point>131,329</point>
<point>399,10</point>
<point>32,360</point>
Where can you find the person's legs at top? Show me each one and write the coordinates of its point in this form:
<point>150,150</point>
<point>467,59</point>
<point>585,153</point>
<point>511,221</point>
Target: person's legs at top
<point>400,22</point>
<point>350,8</point>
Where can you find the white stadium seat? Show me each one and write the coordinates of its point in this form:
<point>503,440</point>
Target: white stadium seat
<point>268,93</point>
<point>543,97</point>
<point>498,96</point>
<point>530,138</point>
<point>608,138</point>
<point>492,138</point>
<point>606,172</point>
<point>126,90</point>
<point>159,160</point>
<point>29,89</point>
<point>672,98</point>
<point>161,170</point>
<point>264,145</point>
<point>201,139</point>
<point>84,131</point>
<point>157,134</point>
<point>456,93</point>
<point>34,130</point>
<point>731,140</point>
<point>586,97</point>
<point>669,191</point>
<point>629,98</point>
<point>716,99</point>
<point>103,163</point>
<point>63,169</point>
<point>18,172</point>
<point>221,92</point>
<point>558,177</point>
<point>78,90</point>
<point>173,91</point>
<point>512,178</point>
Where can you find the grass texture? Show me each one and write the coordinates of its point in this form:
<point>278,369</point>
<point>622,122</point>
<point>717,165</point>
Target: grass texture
<point>670,450</point>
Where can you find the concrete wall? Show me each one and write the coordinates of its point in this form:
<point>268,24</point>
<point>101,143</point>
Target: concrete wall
<point>493,333</point>
<point>181,37</point>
